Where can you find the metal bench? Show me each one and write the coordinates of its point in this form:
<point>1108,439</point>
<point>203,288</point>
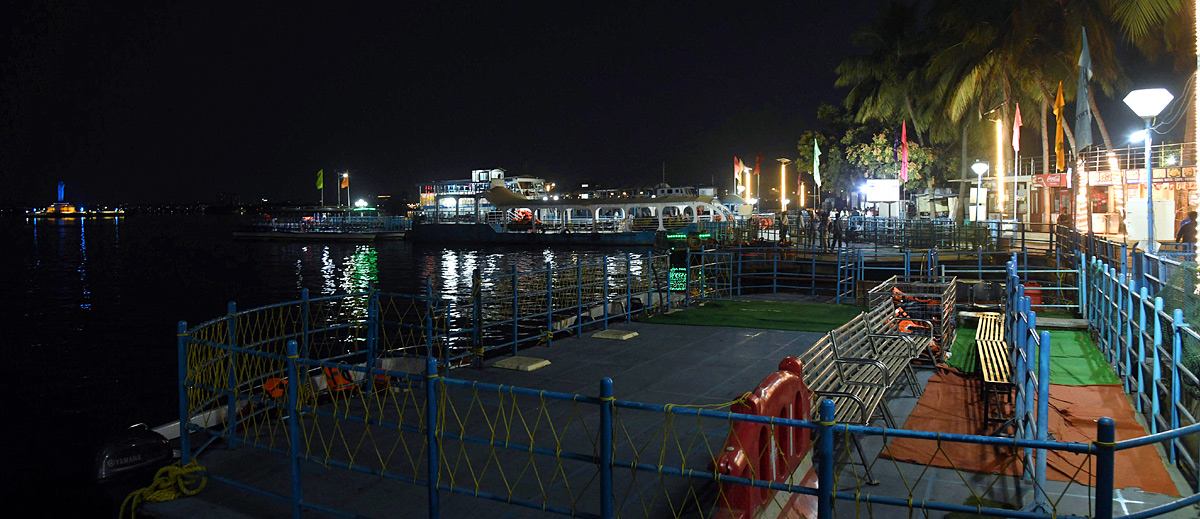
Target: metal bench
<point>992,356</point>
<point>857,364</point>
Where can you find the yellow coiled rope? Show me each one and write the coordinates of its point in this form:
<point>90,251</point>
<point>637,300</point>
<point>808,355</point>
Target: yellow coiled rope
<point>170,482</point>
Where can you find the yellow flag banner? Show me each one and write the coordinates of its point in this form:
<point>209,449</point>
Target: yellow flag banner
<point>321,179</point>
<point>1060,162</point>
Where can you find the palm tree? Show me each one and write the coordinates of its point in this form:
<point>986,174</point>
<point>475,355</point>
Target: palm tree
<point>886,81</point>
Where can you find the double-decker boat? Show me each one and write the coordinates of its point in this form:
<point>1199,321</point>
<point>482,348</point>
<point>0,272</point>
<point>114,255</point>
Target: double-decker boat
<point>492,208</point>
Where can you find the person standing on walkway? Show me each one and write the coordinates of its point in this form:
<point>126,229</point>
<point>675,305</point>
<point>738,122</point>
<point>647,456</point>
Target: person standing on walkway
<point>823,229</point>
<point>835,229</point>
<point>1187,229</point>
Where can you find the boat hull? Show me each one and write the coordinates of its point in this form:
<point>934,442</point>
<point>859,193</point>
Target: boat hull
<point>484,233</point>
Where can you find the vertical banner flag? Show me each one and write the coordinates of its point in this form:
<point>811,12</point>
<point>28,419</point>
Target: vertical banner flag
<point>1083,110</point>
<point>1060,162</point>
<point>1017,130</point>
<point>904,151</point>
<point>345,182</point>
<point>757,163</point>
<point>816,163</point>
<point>737,170</point>
<point>321,179</point>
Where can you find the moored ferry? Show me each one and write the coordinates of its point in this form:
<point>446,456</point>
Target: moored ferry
<point>493,208</point>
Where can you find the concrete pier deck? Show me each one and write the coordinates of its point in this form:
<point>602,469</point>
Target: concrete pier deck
<point>689,365</point>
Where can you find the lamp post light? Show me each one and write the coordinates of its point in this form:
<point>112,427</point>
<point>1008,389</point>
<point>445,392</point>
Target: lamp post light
<point>979,168</point>
<point>1147,103</point>
<point>783,201</point>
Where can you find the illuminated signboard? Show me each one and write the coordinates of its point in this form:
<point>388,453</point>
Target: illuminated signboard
<point>881,189</point>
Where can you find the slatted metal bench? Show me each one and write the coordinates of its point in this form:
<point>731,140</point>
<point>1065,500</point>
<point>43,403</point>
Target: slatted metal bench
<point>858,363</point>
<point>992,356</point>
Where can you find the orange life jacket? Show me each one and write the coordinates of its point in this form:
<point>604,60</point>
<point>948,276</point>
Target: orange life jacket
<point>275,387</point>
<point>336,381</point>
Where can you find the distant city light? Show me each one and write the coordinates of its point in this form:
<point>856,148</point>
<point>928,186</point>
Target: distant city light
<point>360,203</point>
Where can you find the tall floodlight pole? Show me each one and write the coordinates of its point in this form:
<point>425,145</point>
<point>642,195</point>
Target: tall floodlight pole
<point>346,179</point>
<point>1147,103</point>
<point>783,201</point>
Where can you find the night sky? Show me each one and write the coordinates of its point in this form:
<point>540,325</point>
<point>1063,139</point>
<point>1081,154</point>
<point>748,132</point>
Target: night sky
<point>177,102</point>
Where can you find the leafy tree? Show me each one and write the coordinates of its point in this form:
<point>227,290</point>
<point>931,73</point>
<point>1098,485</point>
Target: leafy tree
<point>880,159</point>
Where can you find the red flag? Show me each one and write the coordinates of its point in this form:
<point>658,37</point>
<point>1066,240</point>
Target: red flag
<point>737,168</point>
<point>904,151</point>
<point>1017,130</point>
<point>757,163</point>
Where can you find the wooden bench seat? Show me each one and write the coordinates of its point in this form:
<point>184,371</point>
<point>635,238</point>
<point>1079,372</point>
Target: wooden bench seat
<point>993,358</point>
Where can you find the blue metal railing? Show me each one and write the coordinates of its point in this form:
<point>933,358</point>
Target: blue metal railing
<point>1142,342</point>
<point>783,269</point>
<point>1146,347</point>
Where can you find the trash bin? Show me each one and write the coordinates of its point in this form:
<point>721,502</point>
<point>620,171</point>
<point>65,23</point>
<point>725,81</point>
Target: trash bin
<point>1034,292</point>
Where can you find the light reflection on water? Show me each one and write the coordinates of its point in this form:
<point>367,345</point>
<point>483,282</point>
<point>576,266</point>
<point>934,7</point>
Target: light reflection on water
<point>99,300</point>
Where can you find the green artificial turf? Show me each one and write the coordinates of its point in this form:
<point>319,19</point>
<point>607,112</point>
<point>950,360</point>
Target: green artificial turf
<point>1074,358</point>
<point>801,317</point>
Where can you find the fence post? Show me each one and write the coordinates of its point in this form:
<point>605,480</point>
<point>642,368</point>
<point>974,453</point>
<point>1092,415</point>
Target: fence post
<point>979,262</point>
<point>1156,374</point>
<point>1141,385</point>
<point>549,304</point>
<point>1128,336</point>
<point>433,446</point>
<point>516,305</point>
<point>606,448</point>
<point>628,287</point>
<point>1124,257</point>
<point>1106,310</point>
<point>1106,438</point>
<point>739,268</point>
<point>181,339</point>
<point>305,316</point>
<point>606,299</point>
<point>372,326</point>
<point>231,382</point>
<point>837,283</point>
<point>668,266</point>
<point>579,298</point>
<point>293,395</point>
<point>1083,286</point>
<point>477,317</point>
<point>687,280</point>
<point>825,461</point>
<point>1043,409</point>
<point>1177,326</point>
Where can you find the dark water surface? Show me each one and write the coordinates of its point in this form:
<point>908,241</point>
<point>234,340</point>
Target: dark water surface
<point>89,309</point>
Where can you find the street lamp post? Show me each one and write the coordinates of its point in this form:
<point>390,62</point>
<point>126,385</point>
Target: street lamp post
<point>979,168</point>
<point>783,201</point>
<point>1147,103</point>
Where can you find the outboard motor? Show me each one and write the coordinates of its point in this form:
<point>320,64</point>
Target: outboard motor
<point>138,448</point>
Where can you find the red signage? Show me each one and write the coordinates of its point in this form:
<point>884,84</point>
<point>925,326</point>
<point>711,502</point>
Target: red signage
<point>1051,180</point>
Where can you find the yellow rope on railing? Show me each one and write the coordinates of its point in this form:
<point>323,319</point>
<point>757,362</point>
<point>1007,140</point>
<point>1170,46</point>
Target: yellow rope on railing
<point>169,483</point>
